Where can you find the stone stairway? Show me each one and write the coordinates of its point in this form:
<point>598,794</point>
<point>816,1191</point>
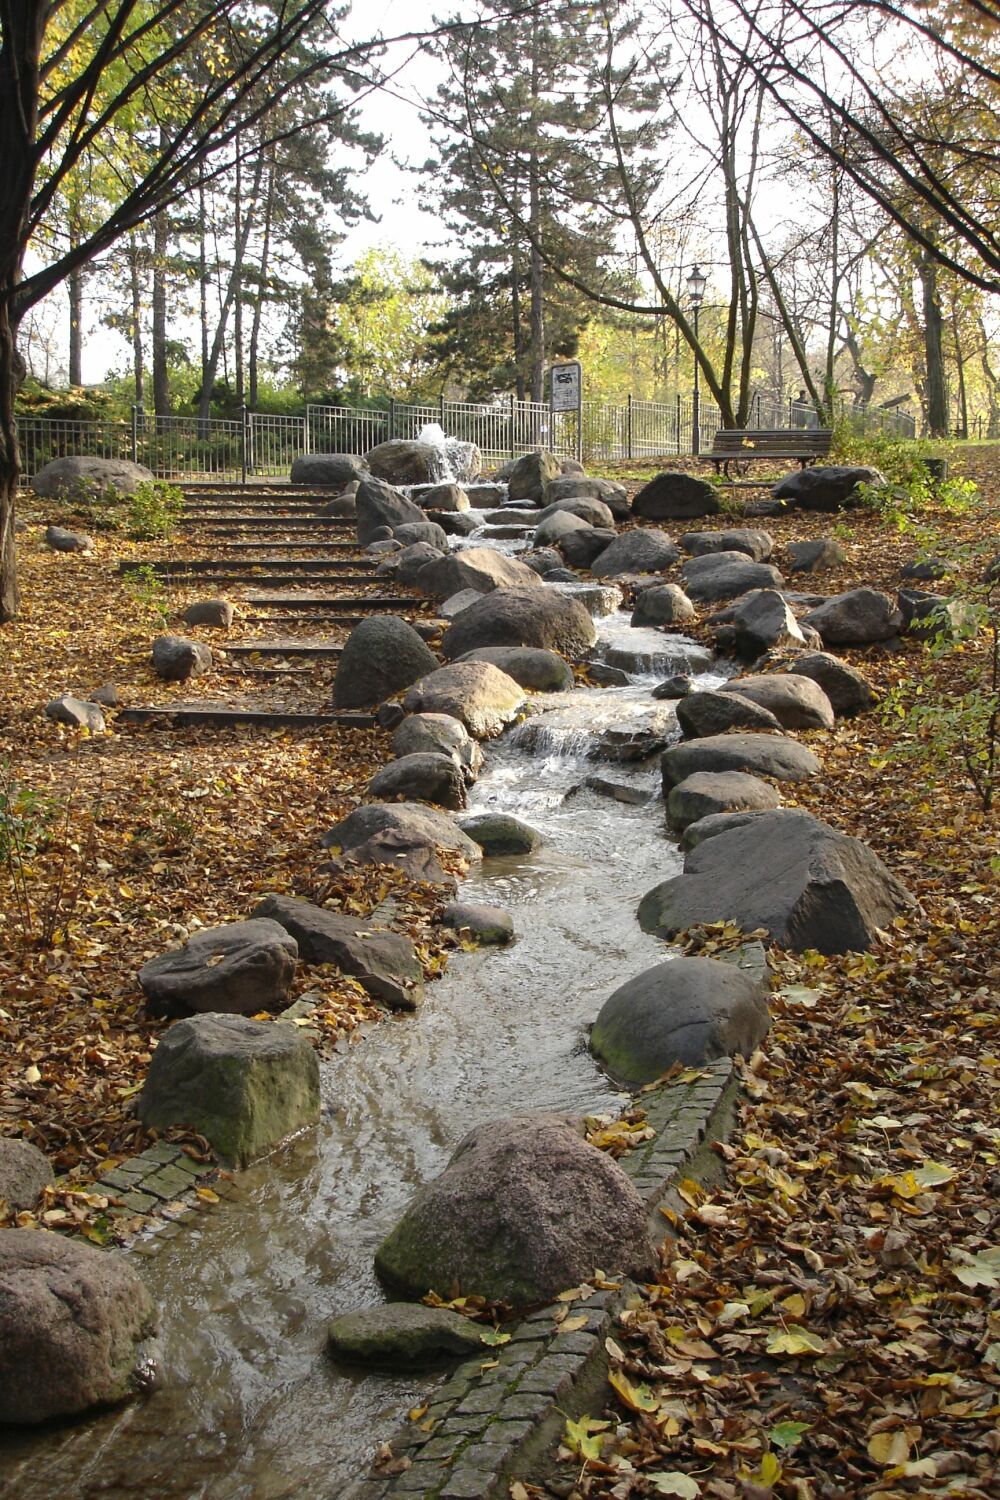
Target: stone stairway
<point>248,541</point>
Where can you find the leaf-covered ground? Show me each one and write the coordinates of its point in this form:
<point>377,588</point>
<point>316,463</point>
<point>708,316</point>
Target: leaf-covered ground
<point>827,1321</point>
<point>142,835</point>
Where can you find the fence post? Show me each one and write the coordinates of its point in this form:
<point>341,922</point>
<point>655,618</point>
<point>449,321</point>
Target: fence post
<point>441,410</point>
<point>513,442</point>
<point>677,423</point>
<point>306,435</point>
<point>245,438</point>
<point>758,409</point>
<point>135,433</point>
<point>392,417</point>
<point>628,428</point>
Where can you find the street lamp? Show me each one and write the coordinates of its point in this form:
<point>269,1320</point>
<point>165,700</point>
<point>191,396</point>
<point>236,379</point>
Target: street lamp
<point>696,284</point>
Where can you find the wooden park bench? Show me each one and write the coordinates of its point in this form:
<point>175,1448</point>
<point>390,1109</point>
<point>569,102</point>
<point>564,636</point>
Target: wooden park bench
<point>747,444</point>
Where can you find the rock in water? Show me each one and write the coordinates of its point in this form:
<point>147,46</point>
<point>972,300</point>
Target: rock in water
<point>500,833</point>
<point>537,670</point>
<point>664,604</point>
<point>707,792</point>
<point>244,1085</point>
<point>402,1335</point>
<point>805,883</point>
<point>478,924</point>
<point>476,693</point>
<point>24,1172</point>
<point>429,734</point>
<point>176,659</point>
<point>530,475</point>
<point>422,531</point>
<point>381,656</point>
<point>404,461</point>
<point>75,1325</point>
<point>476,568</point>
<point>386,963</point>
<point>411,820</point>
<point>542,617</point>
<point>690,1011</point>
<point>240,968</point>
<point>525,1209</point>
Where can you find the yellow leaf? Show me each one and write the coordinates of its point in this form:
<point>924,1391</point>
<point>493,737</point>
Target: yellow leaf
<point>573,1325</point>
<point>635,1397</point>
<point>416,1412</point>
<point>32,1074</point>
<point>769,1472</point>
<point>674,1482</point>
<point>206,1195</point>
<point>795,1305</point>
<point>889,1447</point>
<point>795,1341</point>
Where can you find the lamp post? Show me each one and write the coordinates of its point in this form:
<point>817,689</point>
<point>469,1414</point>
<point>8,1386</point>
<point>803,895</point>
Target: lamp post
<point>696,284</point>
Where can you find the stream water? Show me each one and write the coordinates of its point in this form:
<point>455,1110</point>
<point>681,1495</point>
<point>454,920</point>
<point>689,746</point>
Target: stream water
<point>250,1407</point>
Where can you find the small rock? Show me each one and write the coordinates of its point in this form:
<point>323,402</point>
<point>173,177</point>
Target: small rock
<point>480,924</point>
<point>385,963</point>
<point>448,498</point>
<point>665,604</point>
<point>629,796</point>
<point>582,549</point>
<point>61,540</point>
<point>762,620</point>
<point>77,713</point>
<point>530,475</point>
<point>718,576</point>
<point>536,669</point>
<point>176,659</point>
<point>847,689</point>
<point>677,686</point>
<point>402,1335</point>
<point>107,695</point>
<point>825,487</point>
<point>209,612</point>
<point>422,777</point>
<point>389,716</point>
<point>476,693</point>
<point>328,469</point>
<point>604,676</point>
<point>810,557</point>
<point>422,531</point>
<point>541,616</point>
<point>703,714</point>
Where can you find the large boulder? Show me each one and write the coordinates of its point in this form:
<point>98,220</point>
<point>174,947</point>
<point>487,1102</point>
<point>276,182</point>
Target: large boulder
<point>706,792</point>
<point>524,1210</point>
<point>409,820</point>
<point>176,659</point>
<point>404,461</point>
<point>328,470</point>
<point>478,568</point>
<point>385,963</point>
<point>716,576</point>
<point>806,884</point>
<point>664,604</point>
<point>70,478</point>
<point>577,486</point>
<point>855,618</point>
<point>539,616</point>
<point>537,670</point>
<point>796,702</point>
<point>584,507</point>
<point>703,714</point>
<point>530,475</point>
<point>402,1336</point>
<point>553,528</point>
<point>825,487</point>
<point>448,498</point>
<point>758,545</point>
<point>762,621</point>
<point>24,1173</point>
<point>240,968</point>
<point>381,656</point>
<point>642,550</point>
<point>689,1011</point>
<point>421,777</point>
<point>676,497</point>
<point>476,693</point>
<point>455,522</point>
<point>377,504</point>
<point>848,690</point>
<point>439,734</point>
<point>76,1325</point>
<point>244,1085</point>
<point>760,754</point>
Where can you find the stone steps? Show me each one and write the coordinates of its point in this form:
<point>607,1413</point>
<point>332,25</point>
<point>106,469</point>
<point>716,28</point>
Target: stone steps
<point>306,648</point>
<point>209,716</point>
<point>345,601</point>
<point>268,519</point>
<point>196,567</point>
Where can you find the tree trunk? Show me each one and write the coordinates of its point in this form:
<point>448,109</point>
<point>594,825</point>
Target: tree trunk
<point>74,288</point>
<point>238,273</point>
<point>937,386</point>
<point>161,377</point>
<point>265,258</point>
<point>216,353</point>
<point>135,279</point>
<point>537,268</point>
<point>517,326</point>
<point>11,374</point>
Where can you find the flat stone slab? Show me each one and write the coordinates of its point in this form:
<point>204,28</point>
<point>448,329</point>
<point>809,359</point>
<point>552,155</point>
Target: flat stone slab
<point>402,1335</point>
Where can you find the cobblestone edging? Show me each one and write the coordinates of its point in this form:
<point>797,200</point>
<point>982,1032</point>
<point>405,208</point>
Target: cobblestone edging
<point>161,1182</point>
<point>501,1411</point>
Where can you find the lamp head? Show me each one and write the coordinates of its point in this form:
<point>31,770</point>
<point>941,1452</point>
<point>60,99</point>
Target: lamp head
<point>696,284</point>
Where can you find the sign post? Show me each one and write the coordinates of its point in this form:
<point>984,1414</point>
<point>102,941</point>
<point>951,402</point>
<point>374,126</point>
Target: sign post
<point>566,394</point>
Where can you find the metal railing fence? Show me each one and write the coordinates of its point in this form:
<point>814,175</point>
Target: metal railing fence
<point>258,445</point>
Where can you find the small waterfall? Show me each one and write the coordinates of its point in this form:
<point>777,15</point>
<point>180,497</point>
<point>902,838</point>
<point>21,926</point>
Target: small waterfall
<point>457,460</point>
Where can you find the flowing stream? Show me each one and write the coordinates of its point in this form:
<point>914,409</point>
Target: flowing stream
<point>250,1407</point>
